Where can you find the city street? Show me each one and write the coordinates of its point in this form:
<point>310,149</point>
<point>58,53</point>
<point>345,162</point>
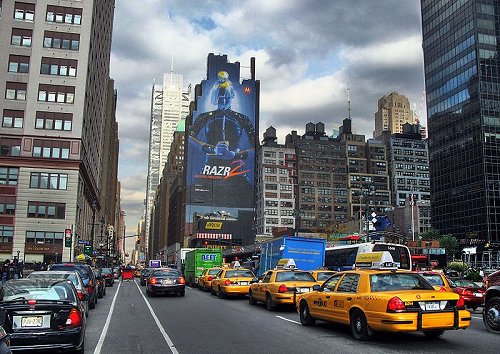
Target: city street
<point>201,323</point>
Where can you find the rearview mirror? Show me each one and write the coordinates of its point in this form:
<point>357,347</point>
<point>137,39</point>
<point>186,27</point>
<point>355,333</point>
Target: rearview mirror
<point>316,287</point>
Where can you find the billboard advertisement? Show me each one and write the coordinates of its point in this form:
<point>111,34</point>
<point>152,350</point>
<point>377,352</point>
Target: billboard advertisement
<point>222,136</point>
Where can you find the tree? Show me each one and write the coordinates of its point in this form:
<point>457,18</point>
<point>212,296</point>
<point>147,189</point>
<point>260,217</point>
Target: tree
<point>450,244</point>
<point>431,234</point>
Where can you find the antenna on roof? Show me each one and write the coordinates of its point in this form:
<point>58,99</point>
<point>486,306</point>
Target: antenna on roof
<point>348,101</point>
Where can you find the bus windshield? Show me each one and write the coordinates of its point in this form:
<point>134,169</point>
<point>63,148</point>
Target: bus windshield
<point>343,257</point>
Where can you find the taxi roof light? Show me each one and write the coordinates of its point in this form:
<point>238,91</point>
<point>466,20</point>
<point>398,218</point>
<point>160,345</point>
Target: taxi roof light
<point>376,260</point>
<point>286,263</point>
<point>235,264</point>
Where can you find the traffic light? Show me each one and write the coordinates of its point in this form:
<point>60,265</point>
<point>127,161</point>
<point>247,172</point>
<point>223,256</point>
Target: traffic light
<point>67,238</point>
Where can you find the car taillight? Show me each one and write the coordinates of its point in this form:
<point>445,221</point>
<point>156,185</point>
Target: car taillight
<point>74,318</point>
<point>227,282</point>
<point>467,292</point>
<point>181,280</point>
<point>283,288</point>
<point>461,303</point>
<point>395,304</point>
<point>80,295</point>
<point>153,281</point>
<point>209,278</point>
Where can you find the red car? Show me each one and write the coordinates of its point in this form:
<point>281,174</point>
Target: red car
<point>472,294</point>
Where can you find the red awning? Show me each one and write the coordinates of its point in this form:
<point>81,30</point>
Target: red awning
<point>212,236</point>
<point>350,238</point>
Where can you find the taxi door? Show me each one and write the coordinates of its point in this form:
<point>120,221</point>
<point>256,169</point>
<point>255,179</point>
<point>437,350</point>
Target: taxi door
<point>259,292</point>
<point>321,302</point>
<point>344,297</point>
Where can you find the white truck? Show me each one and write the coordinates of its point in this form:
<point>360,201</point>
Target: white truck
<point>180,256</point>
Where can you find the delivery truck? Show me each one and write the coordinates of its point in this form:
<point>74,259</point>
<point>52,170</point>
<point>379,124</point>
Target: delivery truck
<point>308,253</point>
<point>180,257</point>
<point>198,260</point>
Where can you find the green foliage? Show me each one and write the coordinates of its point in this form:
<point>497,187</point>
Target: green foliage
<point>432,234</point>
<point>450,244</point>
<point>457,266</point>
<point>473,275</point>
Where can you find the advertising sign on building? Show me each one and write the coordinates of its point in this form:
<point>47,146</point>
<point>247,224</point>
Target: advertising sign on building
<point>221,144</point>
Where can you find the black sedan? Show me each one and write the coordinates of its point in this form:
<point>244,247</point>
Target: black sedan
<point>43,315</point>
<point>165,281</point>
<point>145,275</point>
<point>108,275</point>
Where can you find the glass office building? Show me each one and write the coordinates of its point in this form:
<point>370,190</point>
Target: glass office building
<point>462,78</point>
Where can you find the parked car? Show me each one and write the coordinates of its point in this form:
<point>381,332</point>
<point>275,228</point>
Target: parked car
<point>108,275</point>
<point>43,314</point>
<point>100,283</point>
<point>72,276</point>
<point>491,313</point>
<point>471,293</point>
<point>87,275</point>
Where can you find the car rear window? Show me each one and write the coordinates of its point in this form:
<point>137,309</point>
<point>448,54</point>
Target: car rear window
<point>35,289</point>
<point>166,273</point>
<point>81,269</point>
<point>294,276</point>
<point>213,271</point>
<point>464,282</point>
<point>106,271</point>
<point>434,279</point>
<point>56,276</point>
<point>239,273</point>
<point>395,281</point>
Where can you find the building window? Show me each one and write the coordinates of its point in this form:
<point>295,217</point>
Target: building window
<point>56,93</point>
<point>21,37</point>
<point>60,67</point>
<point>24,11</point>
<point>16,91</point>
<point>61,14</point>
<point>61,40</point>
<point>10,147</point>
<point>12,119</point>
<point>19,64</point>
<point>7,205</point>
<point>51,149</point>
<point>44,210</point>
<point>42,180</point>
<point>54,121</point>
<point>41,237</point>
<point>9,176</point>
<point>6,231</point>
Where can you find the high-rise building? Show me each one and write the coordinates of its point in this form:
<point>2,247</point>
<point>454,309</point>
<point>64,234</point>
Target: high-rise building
<point>169,104</point>
<point>393,111</point>
<point>54,79</point>
<point>462,74</point>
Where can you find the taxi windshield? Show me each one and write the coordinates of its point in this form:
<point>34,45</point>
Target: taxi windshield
<point>324,275</point>
<point>434,279</point>
<point>239,273</point>
<point>294,276</point>
<point>398,281</point>
<point>213,271</point>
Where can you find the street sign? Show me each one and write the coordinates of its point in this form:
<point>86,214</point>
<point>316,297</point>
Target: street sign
<point>374,215</point>
<point>154,263</point>
<point>83,242</point>
<point>87,249</point>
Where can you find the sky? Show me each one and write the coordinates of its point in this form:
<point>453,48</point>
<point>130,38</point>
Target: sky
<point>308,53</point>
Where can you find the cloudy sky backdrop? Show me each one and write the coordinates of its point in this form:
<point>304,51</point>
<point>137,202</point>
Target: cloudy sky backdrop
<point>307,54</point>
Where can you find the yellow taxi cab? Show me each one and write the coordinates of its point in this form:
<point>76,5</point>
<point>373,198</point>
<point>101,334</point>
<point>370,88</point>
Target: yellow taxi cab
<point>322,274</point>
<point>281,285</point>
<point>205,280</point>
<point>232,281</point>
<point>376,296</point>
<point>137,272</point>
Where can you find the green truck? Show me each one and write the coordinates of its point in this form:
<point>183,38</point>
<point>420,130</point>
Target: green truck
<point>198,260</point>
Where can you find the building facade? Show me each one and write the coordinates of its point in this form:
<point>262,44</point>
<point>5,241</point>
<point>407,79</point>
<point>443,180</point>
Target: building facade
<point>460,43</point>
<point>393,111</point>
<point>54,80</point>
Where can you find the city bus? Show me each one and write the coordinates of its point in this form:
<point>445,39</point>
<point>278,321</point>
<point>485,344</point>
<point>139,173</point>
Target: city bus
<point>343,257</point>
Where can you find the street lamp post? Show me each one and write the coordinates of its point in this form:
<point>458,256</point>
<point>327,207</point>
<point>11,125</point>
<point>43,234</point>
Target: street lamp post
<point>428,245</point>
<point>94,206</point>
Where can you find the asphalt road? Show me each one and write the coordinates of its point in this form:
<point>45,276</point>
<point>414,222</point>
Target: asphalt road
<point>201,323</point>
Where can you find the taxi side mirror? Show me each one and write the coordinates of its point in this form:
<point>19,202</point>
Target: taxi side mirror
<point>254,280</point>
<point>316,287</point>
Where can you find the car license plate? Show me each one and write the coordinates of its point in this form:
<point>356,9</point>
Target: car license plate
<point>167,282</point>
<point>32,321</point>
<point>478,294</point>
<point>432,306</point>
<point>243,283</point>
<point>303,290</point>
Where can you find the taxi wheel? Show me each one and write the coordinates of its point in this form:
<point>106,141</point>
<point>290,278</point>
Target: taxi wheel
<point>269,303</point>
<point>491,315</point>
<point>221,293</point>
<point>359,326</point>
<point>212,292</point>
<point>305,316</point>
<point>251,300</point>
<point>433,334</point>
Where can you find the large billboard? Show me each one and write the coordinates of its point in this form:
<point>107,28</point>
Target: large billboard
<point>220,166</point>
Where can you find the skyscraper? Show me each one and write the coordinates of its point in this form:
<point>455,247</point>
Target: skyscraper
<point>460,42</point>
<point>169,104</point>
<point>393,111</point>
<point>56,104</point>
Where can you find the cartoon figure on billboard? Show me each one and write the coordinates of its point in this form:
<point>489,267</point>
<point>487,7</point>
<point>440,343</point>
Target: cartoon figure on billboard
<point>227,139</point>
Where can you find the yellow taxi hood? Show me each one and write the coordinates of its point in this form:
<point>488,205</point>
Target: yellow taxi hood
<point>420,295</point>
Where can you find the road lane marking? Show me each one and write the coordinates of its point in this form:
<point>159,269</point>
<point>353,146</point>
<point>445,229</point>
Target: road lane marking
<point>162,330</point>
<point>106,325</point>
<point>287,319</point>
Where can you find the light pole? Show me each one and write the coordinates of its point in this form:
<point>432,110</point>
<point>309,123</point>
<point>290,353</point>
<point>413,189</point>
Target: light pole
<point>94,206</point>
